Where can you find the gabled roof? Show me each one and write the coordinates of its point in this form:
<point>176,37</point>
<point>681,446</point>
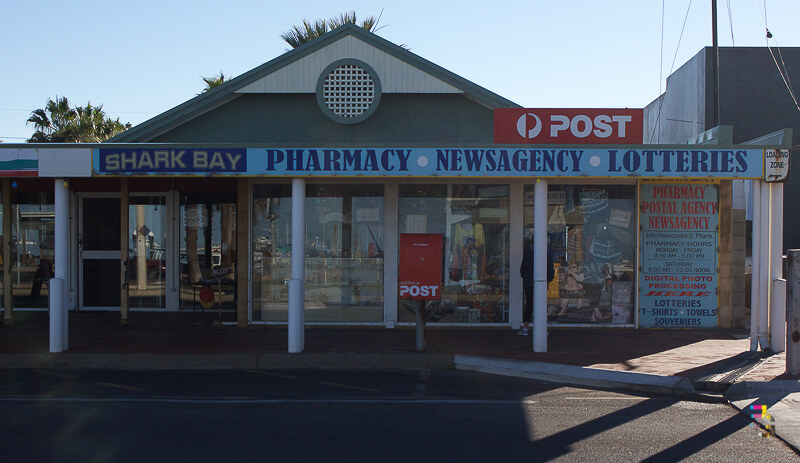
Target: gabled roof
<point>236,87</point>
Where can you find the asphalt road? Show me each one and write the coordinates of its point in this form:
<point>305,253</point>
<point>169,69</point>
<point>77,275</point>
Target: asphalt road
<point>354,416</point>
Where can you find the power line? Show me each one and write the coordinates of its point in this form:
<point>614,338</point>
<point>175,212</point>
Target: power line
<point>730,22</point>
<point>783,71</point>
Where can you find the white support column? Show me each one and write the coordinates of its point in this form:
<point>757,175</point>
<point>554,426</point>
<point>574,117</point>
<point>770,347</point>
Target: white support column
<point>297,282</point>
<point>59,321</point>
<point>755,265</point>
<point>391,240</point>
<point>777,312</point>
<point>516,226</point>
<point>764,274</point>
<point>56,287</point>
<point>540,267</point>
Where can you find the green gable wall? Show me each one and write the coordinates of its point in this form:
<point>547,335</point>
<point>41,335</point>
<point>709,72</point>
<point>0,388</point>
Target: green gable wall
<point>297,119</point>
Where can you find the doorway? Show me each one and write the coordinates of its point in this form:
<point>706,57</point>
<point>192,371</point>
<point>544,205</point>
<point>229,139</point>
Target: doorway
<point>148,257</point>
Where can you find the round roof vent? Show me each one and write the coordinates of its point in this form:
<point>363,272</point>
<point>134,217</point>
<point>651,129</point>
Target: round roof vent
<point>348,91</point>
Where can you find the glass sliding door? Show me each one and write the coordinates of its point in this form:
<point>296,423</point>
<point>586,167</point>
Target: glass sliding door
<point>147,252</point>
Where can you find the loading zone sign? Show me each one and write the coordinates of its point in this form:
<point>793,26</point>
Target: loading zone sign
<point>776,165</point>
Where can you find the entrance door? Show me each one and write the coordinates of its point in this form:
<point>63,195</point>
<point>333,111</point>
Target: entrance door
<point>100,244</point>
<point>99,247</point>
<point>147,258</point>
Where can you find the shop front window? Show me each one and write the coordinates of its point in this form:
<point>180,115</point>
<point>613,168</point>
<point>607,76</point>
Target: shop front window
<point>343,253</point>
<point>32,250</point>
<point>208,252</point>
<point>272,251</point>
<point>591,232</point>
<point>474,223</point>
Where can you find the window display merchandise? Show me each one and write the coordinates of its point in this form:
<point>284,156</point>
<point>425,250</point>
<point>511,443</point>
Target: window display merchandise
<point>591,233</point>
<point>474,222</point>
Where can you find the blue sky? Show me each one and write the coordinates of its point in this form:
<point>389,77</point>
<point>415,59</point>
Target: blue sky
<point>141,58</point>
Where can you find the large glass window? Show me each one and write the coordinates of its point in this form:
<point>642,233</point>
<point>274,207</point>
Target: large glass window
<point>272,251</point>
<point>474,222</point>
<point>32,250</point>
<point>591,231</point>
<point>344,253</point>
<point>343,257</point>
<point>208,251</point>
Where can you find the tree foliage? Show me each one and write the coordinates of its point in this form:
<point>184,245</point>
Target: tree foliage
<point>58,122</point>
<point>213,81</point>
<point>308,31</point>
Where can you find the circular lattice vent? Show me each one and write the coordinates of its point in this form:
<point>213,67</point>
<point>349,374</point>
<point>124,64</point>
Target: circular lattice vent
<point>348,91</point>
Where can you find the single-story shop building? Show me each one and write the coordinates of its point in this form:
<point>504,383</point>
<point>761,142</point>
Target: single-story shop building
<point>292,193</point>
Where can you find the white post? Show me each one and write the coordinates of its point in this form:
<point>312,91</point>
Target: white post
<point>59,321</point>
<point>755,266</point>
<point>56,315</point>
<point>297,282</point>
<point>764,280</point>
<point>61,251</point>
<point>777,312</point>
<point>540,266</point>
<point>391,241</point>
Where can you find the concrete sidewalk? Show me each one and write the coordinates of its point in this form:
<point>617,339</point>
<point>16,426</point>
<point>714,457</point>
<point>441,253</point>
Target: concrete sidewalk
<point>688,364</point>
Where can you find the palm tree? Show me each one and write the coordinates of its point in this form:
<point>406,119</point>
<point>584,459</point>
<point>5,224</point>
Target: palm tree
<point>308,31</point>
<point>57,122</point>
<point>213,81</point>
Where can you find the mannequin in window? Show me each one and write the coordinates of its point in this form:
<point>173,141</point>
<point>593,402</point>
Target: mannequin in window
<point>469,257</point>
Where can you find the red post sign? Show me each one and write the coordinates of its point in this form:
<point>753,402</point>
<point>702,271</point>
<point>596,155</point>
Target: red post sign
<point>420,270</point>
<point>540,126</point>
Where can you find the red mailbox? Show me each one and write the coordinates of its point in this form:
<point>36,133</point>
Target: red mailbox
<point>420,270</point>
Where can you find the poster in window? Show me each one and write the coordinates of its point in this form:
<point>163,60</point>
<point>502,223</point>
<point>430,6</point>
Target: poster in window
<point>678,279</point>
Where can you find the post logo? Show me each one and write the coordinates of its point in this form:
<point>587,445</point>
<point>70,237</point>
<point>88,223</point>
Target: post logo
<point>568,126</point>
<point>418,290</point>
<point>524,122</point>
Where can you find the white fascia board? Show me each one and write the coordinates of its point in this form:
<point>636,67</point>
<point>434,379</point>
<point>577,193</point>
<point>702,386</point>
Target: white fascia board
<point>65,162</point>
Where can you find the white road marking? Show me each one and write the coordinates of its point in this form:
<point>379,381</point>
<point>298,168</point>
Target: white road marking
<point>238,401</point>
<point>605,398</point>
